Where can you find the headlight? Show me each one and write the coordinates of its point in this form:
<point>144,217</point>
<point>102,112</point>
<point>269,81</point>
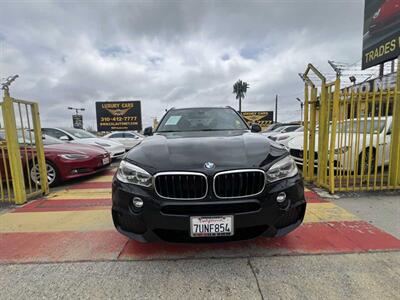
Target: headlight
<point>103,144</point>
<point>282,137</point>
<point>285,168</point>
<point>376,14</point>
<point>130,173</point>
<point>341,150</point>
<point>73,156</point>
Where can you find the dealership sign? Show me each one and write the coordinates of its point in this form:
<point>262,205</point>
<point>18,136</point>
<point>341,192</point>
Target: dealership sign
<point>118,115</point>
<point>262,118</point>
<point>381,41</point>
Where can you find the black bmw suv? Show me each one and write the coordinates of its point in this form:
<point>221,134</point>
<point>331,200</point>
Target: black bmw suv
<point>205,176</point>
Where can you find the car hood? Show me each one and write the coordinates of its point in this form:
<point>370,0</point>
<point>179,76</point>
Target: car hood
<point>74,148</point>
<point>191,150</point>
<point>97,142</point>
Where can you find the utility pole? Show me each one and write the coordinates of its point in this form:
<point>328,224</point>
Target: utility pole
<point>381,69</point>
<point>301,110</point>
<point>276,109</point>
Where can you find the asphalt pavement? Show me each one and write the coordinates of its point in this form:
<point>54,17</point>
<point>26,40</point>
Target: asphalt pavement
<point>339,276</point>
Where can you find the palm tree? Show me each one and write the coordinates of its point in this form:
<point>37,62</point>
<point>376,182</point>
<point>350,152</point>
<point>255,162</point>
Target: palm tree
<point>240,89</point>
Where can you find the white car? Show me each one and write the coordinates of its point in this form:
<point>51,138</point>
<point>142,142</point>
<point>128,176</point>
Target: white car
<point>127,138</point>
<point>285,138</point>
<point>349,144</point>
<point>80,136</point>
<point>281,129</point>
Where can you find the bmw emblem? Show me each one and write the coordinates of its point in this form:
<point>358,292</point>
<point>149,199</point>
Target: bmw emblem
<point>209,165</point>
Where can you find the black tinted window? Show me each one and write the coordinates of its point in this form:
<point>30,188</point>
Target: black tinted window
<point>53,132</point>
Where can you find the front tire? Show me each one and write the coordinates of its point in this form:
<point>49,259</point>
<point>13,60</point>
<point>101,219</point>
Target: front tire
<point>366,162</point>
<point>52,174</point>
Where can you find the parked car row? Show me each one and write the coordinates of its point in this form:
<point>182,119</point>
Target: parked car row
<point>351,150</point>
<point>69,153</point>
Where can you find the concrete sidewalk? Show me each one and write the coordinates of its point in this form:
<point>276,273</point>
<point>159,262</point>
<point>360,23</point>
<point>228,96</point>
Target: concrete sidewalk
<point>340,276</point>
<point>382,209</point>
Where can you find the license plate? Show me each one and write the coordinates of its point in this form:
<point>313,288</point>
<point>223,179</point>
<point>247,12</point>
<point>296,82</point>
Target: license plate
<point>213,226</point>
<point>106,161</point>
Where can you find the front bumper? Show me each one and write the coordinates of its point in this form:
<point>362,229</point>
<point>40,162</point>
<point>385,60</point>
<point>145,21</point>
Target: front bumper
<point>169,220</point>
<point>70,169</point>
<point>116,152</point>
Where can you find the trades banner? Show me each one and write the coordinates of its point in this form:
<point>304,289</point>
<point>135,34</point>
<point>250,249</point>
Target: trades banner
<point>381,41</point>
<point>118,115</point>
<point>262,118</point>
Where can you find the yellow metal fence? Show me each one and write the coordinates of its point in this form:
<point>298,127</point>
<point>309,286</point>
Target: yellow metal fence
<point>351,136</point>
<point>22,162</point>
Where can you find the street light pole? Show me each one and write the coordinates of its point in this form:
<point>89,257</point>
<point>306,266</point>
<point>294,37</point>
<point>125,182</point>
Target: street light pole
<point>76,109</point>
<point>301,110</point>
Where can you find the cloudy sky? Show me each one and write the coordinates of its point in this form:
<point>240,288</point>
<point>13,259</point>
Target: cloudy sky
<point>171,53</point>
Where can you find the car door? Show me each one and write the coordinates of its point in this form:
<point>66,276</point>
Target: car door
<point>388,144</point>
<point>117,137</point>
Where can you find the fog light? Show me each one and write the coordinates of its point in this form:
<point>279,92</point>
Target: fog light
<point>137,202</point>
<point>281,198</point>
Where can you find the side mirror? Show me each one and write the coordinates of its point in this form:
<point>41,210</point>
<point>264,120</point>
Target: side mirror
<point>64,138</point>
<point>148,131</point>
<point>255,128</point>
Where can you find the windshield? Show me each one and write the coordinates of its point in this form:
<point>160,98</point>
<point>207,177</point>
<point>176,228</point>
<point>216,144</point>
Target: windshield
<point>30,138</point>
<point>201,119</point>
<point>79,133</point>
<point>49,140</point>
<point>300,129</point>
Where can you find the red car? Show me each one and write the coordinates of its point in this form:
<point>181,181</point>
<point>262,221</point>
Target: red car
<point>387,17</point>
<point>64,160</point>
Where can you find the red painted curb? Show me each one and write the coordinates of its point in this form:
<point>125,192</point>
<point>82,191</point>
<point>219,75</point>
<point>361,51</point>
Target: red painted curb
<point>60,246</point>
<point>64,205</point>
<point>312,197</point>
<point>91,185</point>
<point>310,238</point>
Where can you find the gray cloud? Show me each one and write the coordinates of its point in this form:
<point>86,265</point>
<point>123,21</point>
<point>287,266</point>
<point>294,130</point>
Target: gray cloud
<point>171,53</point>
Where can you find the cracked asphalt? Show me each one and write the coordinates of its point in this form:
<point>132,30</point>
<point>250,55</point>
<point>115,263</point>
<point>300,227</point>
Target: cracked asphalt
<point>340,276</point>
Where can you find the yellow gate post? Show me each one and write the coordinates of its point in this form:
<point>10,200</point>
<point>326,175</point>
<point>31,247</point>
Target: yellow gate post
<point>311,147</point>
<point>332,146</point>
<point>322,134</point>
<point>305,139</point>
<point>395,142</point>
<point>13,151</point>
<point>39,149</point>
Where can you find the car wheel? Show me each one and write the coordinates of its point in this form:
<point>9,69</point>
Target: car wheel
<point>52,174</point>
<point>367,166</point>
